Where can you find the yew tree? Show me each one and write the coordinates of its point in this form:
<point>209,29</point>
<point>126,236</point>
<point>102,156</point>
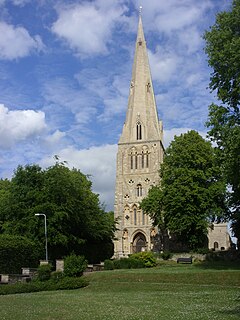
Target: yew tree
<point>223,50</point>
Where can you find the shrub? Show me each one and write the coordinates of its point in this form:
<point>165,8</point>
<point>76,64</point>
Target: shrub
<point>135,263</point>
<point>74,265</point>
<point>17,252</point>
<point>122,263</point>
<point>108,264</point>
<point>146,257</point>
<point>69,283</point>
<point>65,283</point>
<point>128,263</point>
<point>166,255</point>
<point>56,276</point>
<point>44,272</point>
<point>202,250</point>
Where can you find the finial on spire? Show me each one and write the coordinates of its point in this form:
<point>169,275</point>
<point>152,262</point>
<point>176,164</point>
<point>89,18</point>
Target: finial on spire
<point>140,10</point>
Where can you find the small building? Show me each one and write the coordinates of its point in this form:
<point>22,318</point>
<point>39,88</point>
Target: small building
<point>218,237</point>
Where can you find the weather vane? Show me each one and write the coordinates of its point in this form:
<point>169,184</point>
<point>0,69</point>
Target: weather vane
<point>140,10</point>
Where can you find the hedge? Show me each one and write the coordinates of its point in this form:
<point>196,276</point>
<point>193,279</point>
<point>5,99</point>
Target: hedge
<point>65,283</point>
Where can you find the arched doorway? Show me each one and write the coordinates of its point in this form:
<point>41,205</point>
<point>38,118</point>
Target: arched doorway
<point>215,245</point>
<point>139,243</point>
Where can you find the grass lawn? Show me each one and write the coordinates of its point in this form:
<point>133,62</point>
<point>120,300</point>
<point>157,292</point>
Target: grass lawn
<point>170,291</point>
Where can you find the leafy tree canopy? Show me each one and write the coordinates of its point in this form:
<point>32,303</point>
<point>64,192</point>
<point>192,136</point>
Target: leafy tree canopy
<point>191,192</point>
<point>222,48</point>
<point>74,214</point>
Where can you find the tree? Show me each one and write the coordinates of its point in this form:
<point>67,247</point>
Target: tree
<point>17,252</point>
<point>4,195</point>
<point>191,193</point>
<point>222,48</point>
<point>75,218</point>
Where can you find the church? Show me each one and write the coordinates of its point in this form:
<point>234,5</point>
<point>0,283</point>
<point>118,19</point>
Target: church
<point>140,154</point>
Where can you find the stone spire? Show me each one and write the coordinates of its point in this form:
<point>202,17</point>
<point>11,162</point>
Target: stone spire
<point>141,103</point>
<point>140,154</point>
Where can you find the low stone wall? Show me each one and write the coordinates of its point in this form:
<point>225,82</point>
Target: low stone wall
<point>194,256</point>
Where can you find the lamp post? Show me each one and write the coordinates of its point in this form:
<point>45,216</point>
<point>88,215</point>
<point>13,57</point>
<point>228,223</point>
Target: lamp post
<point>45,225</point>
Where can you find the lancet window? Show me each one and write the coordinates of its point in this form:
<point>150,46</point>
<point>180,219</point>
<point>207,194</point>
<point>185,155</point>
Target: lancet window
<point>135,216</point>
<point>139,131</point>
<point>147,159</point>
<point>143,217</point>
<point>139,190</point>
<point>131,161</point>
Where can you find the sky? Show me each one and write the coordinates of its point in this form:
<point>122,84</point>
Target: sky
<point>65,72</point>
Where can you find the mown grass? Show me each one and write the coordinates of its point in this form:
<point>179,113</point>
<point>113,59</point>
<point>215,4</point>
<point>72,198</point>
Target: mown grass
<point>169,291</point>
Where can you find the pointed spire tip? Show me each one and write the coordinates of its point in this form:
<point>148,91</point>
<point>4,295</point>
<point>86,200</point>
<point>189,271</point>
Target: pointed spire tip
<point>140,10</point>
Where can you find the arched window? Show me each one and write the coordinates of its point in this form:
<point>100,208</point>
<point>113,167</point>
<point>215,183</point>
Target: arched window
<point>131,161</point>
<point>143,217</point>
<point>142,160</point>
<point>135,216</point>
<point>139,190</point>
<point>139,131</point>
<point>147,159</point>
<point>136,160</point>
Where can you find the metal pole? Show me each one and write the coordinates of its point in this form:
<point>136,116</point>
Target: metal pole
<point>45,227</point>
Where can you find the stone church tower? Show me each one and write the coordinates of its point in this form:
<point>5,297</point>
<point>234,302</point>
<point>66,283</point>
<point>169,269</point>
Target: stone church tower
<point>140,153</point>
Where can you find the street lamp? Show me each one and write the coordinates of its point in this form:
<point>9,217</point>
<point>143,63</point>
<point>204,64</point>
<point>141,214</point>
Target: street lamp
<point>45,224</point>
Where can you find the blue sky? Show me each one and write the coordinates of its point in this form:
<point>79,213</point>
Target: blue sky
<point>65,70</point>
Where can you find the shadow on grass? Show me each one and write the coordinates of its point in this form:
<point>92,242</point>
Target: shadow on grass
<point>233,312</point>
<point>218,265</point>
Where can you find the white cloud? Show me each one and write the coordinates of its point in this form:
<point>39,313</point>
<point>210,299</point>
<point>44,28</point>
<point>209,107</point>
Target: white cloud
<point>191,39</point>
<point>87,27</point>
<point>18,125</point>
<point>15,42</point>
<point>98,162</point>
<point>163,64</point>
<point>63,94</point>
<point>169,16</point>
<point>170,134</point>
<point>55,138</point>
<point>20,3</point>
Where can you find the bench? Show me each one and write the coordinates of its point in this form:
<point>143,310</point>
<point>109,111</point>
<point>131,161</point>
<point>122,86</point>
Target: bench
<point>184,260</point>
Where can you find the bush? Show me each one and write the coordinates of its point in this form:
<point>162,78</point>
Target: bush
<point>166,255</point>
<point>56,276</point>
<point>17,252</point>
<point>128,263</point>
<point>202,250</point>
<point>44,272</point>
<point>74,265</point>
<point>146,257</point>
<point>108,264</point>
<point>65,283</point>
<point>135,263</point>
<point>122,263</point>
<point>69,283</point>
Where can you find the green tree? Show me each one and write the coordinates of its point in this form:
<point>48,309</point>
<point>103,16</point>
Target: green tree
<point>191,192</point>
<point>17,252</point>
<point>75,218</point>
<point>222,48</point>
<point>4,195</point>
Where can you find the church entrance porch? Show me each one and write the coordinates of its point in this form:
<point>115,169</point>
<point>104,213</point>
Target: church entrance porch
<point>139,243</point>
